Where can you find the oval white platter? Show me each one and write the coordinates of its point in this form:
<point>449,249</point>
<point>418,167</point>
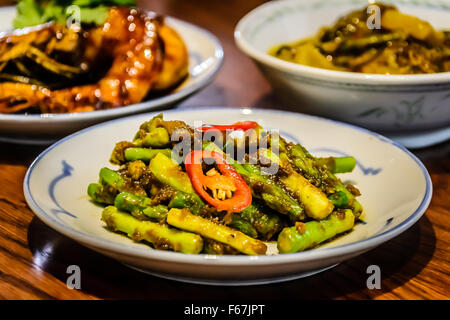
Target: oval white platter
<point>205,59</point>
<point>396,190</point>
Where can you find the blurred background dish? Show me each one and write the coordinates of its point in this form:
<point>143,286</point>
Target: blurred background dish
<point>205,58</point>
<point>377,38</point>
<point>412,109</point>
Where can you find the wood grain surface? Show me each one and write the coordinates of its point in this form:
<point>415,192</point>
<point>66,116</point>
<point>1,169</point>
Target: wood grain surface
<point>34,258</point>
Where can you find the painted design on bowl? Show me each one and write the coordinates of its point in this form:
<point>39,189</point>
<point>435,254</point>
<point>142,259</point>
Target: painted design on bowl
<point>66,172</point>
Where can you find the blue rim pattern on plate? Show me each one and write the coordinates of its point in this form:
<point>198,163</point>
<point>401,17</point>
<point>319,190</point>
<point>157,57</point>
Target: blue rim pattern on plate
<point>99,242</point>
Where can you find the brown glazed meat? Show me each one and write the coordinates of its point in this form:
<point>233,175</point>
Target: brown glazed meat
<point>130,40</point>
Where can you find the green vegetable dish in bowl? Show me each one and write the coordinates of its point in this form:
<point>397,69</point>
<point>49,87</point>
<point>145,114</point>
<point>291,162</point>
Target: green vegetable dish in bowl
<point>378,39</point>
<point>224,189</point>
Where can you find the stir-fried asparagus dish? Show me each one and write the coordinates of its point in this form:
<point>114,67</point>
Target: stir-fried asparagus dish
<point>377,39</point>
<point>224,190</point>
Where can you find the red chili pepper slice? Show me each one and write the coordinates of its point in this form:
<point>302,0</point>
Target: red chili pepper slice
<point>240,125</point>
<point>229,182</point>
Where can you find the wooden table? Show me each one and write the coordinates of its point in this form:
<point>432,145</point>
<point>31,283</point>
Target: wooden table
<point>34,258</point>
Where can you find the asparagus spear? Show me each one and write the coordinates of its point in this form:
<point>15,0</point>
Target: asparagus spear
<point>186,200</point>
<point>183,219</point>
<point>217,248</point>
<point>144,154</point>
<point>168,172</point>
<point>110,184</point>
<point>100,194</point>
<point>307,235</point>
<point>316,203</point>
<point>307,164</point>
<point>111,178</point>
<point>272,194</point>
<point>243,225</point>
<point>140,207</point>
<point>161,236</point>
<point>265,222</point>
<point>151,124</point>
<point>339,199</point>
<point>156,138</point>
<point>337,164</point>
<point>159,138</point>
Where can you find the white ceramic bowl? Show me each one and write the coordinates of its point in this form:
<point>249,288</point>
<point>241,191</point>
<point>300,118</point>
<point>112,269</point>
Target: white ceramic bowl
<point>396,190</point>
<point>205,59</point>
<point>385,103</point>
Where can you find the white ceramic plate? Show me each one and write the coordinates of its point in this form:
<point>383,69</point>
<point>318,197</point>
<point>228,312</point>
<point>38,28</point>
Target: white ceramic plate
<point>205,59</point>
<point>396,190</point>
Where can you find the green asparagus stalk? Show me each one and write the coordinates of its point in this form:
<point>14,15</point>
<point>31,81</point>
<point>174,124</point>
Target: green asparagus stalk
<point>272,194</point>
<point>110,184</point>
<point>144,154</point>
<point>243,225</point>
<point>307,235</point>
<point>183,219</point>
<point>316,203</point>
<point>339,199</point>
<point>140,207</point>
<point>111,178</point>
<point>337,164</point>
<point>217,248</point>
<point>186,200</point>
<point>264,221</point>
<point>151,124</point>
<point>168,172</point>
<point>100,194</point>
<point>161,236</point>
<point>306,163</point>
<point>156,138</point>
